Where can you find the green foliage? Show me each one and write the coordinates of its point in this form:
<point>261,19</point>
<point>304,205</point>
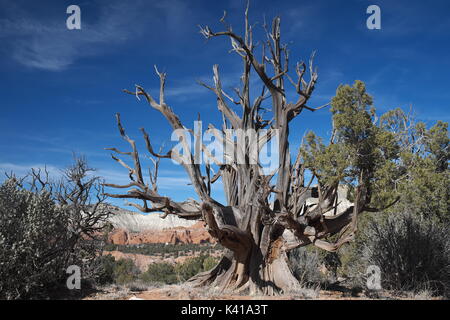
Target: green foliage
<point>209,263</point>
<point>158,248</point>
<point>361,152</point>
<point>365,147</point>
<point>437,145</point>
<point>327,163</point>
<point>190,267</point>
<point>110,270</point>
<point>193,266</point>
<point>125,271</point>
<point>425,188</point>
<point>422,178</point>
<point>160,272</point>
<point>107,264</point>
<point>351,117</point>
<point>169,274</point>
<point>426,192</point>
<point>394,157</point>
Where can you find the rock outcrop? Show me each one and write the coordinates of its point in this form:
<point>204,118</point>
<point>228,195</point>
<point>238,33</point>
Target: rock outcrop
<point>196,234</point>
<point>137,222</point>
<point>118,236</point>
<point>134,228</point>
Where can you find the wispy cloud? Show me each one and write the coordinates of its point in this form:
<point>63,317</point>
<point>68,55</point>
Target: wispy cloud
<point>184,91</point>
<point>57,144</point>
<point>49,45</point>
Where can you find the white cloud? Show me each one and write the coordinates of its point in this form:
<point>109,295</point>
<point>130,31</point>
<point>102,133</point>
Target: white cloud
<point>49,45</point>
<point>188,90</point>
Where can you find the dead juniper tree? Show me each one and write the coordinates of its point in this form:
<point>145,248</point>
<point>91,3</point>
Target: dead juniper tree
<point>266,215</point>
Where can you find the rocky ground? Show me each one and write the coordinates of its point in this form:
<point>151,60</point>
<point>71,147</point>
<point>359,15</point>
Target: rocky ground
<point>186,292</point>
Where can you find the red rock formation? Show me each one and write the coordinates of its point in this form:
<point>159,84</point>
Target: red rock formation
<point>196,234</point>
<point>119,236</point>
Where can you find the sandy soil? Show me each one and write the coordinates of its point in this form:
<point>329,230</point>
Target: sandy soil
<point>185,292</point>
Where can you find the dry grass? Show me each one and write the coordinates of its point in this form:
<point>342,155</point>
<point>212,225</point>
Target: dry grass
<point>142,291</point>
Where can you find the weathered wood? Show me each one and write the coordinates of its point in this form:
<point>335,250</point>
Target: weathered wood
<point>256,230</point>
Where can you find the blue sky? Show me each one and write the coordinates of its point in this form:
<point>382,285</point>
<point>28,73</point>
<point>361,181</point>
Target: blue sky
<point>60,88</point>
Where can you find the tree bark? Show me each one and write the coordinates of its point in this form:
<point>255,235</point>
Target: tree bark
<point>262,220</point>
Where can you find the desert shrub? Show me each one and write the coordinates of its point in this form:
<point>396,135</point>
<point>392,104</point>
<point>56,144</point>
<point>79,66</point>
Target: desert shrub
<point>106,267</point>
<point>193,266</point>
<point>110,247</point>
<point>44,228</point>
<point>160,272</point>
<point>189,268</point>
<point>112,271</point>
<point>169,274</point>
<point>353,268</point>
<point>125,271</point>
<point>412,252</point>
<point>306,266</point>
<point>209,263</point>
<point>28,222</point>
<point>352,265</point>
<point>162,248</point>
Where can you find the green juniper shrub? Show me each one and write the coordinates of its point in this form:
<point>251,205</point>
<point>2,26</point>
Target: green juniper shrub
<point>106,266</point>
<point>190,267</point>
<point>167,273</point>
<point>125,271</point>
<point>209,263</point>
<point>160,272</point>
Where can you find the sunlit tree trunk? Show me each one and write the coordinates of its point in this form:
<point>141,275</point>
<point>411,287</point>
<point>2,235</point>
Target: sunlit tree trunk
<point>266,215</point>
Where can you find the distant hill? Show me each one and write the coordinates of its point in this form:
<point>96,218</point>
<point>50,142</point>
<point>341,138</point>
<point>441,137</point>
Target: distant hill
<point>136,228</point>
<point>137,222</point>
